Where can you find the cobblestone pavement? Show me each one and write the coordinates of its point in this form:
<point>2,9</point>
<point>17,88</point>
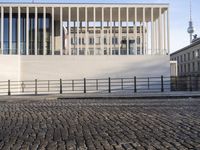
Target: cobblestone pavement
<point>100,124</point>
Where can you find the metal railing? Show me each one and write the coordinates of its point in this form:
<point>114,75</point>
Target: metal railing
<point>109,85</point>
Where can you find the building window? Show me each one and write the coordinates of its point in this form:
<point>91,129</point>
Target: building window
<point>193,66</point>
<point>105,41</point>
<point>188,56</point>
<point>193,54</point>
<point>198,65</point>
<point>177,59</point>
<point>188,67</point>
<point>184,57</point>
<point>185,68</point>
<point>181,58</point>
<point>91,41</point>
<point>181,68</point>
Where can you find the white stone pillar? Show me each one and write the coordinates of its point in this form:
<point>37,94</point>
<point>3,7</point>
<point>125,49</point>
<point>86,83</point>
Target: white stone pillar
<point>69,31</point>
<point>44,31</point>
<point>86,31</point>
<point>77,28</point>
<point>61,31</point>
<point>155,38</point>
<point>52,30</point>
<point>152,31</point>
<point>2,26</point>
<point>143,30</point>
<point>168,33</point>
<point>160,31</point>
<point>36,20</point>
<point>94,25</point>
<point>27,30</point>
<point>107,38</point>
<point>110,31</point>
<point>127,31</point>
<point>164,26</point>
<point>18,33</point>
<point>10,30</point>
<point>119,30</point>
<point>135,32</point>
<point>102,31</point>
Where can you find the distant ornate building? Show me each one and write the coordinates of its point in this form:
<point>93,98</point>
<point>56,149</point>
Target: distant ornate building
<point>188,59</point>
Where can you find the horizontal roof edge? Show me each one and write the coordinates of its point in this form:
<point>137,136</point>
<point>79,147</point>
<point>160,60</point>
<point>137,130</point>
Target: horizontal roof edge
<point>162,4</point>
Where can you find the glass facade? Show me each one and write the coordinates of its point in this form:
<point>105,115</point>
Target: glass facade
<point>40,34</point>
<point>6,35</point>
<point>14,34</point>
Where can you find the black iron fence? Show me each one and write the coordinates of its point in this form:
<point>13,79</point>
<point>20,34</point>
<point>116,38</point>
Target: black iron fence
<point>135,84</point>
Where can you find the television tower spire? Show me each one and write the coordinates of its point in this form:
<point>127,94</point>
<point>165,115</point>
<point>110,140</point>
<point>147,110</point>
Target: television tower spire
<point>190,29</point>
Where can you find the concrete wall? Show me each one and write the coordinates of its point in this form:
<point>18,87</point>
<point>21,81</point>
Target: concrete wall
<point>78,67</point>
<point>9,67</point>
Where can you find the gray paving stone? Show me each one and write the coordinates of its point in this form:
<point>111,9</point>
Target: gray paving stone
<point>100,124</point>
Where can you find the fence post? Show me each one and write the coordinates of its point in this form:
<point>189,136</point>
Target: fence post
<point>190,78</point>
<point>97,84</point>
<point>61,86</point>
<point>35,86</point>
<point>72,85</point>
<point>109,85</point>
<point>122,84</point>
<point>9,93</point>
<point>84,85</point>
<point>162,86</point>
<point>135,85</point>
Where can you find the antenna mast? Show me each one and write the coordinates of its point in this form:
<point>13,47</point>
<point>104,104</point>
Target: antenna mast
<point>190,29</point>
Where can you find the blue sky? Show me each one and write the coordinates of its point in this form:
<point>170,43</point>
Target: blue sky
<point>179,16</point>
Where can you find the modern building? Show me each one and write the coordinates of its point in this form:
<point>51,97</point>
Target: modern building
<point>188,59</point>
<point>54,40</point>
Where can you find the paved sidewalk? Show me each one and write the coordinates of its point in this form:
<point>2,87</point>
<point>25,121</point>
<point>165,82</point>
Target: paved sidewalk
<point>103,124</point>
<point>105,95</point>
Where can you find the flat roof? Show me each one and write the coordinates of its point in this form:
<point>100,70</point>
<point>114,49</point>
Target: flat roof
<point>56,3</point>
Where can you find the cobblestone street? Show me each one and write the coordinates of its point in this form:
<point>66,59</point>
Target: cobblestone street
<point>100,124</point>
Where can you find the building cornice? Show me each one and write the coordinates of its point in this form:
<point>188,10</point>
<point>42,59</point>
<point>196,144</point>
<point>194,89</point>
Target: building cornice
<point>87,4</point>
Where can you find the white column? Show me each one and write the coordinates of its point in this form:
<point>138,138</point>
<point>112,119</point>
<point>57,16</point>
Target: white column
<point>140,38</point>
<point>18,33</point>
<point>44,31</point>
<point>144,35</point>
<point>36,29</point>
<point>27,30</point>
<point>10,30</point>
<point>107,38</point>
<point>77,28</point>
<point>110,31</point>
<point>156,36</point>
<point>69,30</point>
<point>2,26</point>
<point>94,25</point>
<point>86,31</point>
<point>127,31</point>
<point>61,31</point>
<point>147,38</point>
<point>168,33</point>
<point>160,31</point>
<point>52,30</point>
<point>152,31</point>
<point>164,26</point>
<point>135,32</point>
<point>102,31</point>
<point>119,30</point>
